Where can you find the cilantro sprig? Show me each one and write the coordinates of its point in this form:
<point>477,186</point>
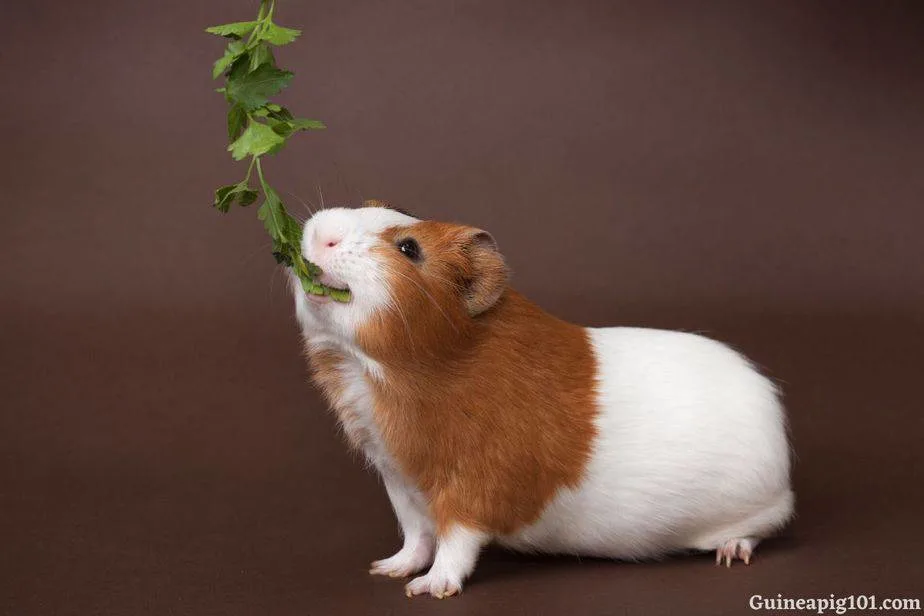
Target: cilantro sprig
<point>258,127</point>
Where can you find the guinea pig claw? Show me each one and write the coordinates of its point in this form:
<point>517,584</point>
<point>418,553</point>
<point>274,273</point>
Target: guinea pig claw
<point>742,549</point>
<point>726,554</point>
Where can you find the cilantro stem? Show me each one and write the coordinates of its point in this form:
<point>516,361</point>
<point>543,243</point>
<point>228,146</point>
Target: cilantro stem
<point>256,160</point>
<point>253,160</point>
<point>257,127</point>
<point>263,18</point>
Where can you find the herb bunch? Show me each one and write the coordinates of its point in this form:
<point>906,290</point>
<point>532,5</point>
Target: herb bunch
<point>258,127</point>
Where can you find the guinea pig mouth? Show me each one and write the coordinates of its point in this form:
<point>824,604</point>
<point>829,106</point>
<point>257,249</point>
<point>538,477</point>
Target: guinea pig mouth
<point>340,292</point>
<point>330,289</point>
<point>333,283</point>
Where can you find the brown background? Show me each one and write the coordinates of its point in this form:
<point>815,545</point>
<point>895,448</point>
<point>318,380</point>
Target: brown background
<point>747,169</point>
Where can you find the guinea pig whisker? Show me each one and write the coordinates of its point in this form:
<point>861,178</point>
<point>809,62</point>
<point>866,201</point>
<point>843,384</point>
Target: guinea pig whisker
<point>272,281</point>
<point>300,200</point>
<point>392,303</point>
<point>245,260</point>
<point>407,326</point>
<point>439,278</point>
<point>442,279</point>
<point>427,293</point>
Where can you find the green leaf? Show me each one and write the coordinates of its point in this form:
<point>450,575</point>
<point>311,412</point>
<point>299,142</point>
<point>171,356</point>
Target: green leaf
<point>234,30</point>
<point>227,195</point>
<point>283,254</point>
<point>277,35</point>
<point>285,128</point>
<point>224,198</point>
<point>302,124</point>
<point>295,236</point>
<point>248,197</point>
<point>338,295</point>
<point>283,134</point>
<point>281,114</point>
<point>310,286</point>
<point>237,117</point>
<point>261,54</point>
<point>256,140</point>
<point>221,64</point>
<point>240,67</point>
<point>274,216</point>
<point>253,90</point>
<point>232,53</point>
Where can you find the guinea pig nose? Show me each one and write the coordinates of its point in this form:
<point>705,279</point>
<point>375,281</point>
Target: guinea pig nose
<point>323,240</point>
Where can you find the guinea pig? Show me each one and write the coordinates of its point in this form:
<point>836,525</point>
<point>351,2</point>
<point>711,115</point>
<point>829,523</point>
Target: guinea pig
<point>489,419</point>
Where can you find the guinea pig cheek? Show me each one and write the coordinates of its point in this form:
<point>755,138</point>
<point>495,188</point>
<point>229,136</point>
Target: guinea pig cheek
<point>358,268</point>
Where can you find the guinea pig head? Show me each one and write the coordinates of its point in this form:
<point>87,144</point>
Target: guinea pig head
<point>418,288</point>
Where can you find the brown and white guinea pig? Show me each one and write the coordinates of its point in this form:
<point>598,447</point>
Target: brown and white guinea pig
<point>492,420</point>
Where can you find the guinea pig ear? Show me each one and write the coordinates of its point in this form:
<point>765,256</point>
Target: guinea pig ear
<point>487,277</point>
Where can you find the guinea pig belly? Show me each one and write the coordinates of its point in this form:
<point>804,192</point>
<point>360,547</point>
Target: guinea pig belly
<point>690,451</point>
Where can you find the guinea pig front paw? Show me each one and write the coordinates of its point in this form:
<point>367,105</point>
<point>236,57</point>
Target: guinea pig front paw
<point>742,549</point>
<point>437,583</point>
<point>408,561</point>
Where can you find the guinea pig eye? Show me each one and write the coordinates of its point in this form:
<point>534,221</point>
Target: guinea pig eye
<point>410,248</point>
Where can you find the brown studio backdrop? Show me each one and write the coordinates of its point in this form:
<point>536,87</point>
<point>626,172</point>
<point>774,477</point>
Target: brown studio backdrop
<point>751,170</point>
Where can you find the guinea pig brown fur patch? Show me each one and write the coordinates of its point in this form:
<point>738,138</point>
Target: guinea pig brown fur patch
<point>490,415</point>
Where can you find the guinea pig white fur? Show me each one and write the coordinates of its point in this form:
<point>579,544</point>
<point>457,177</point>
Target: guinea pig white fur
<point>491,420</point>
